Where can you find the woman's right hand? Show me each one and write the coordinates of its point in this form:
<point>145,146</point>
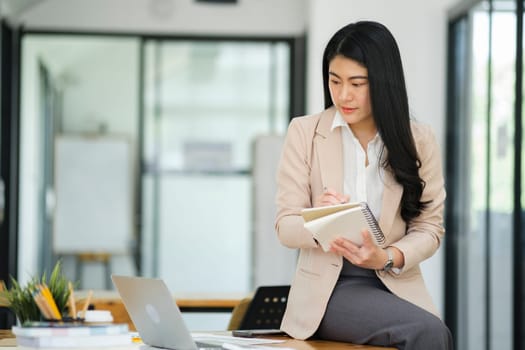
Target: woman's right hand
<point>330,197</point>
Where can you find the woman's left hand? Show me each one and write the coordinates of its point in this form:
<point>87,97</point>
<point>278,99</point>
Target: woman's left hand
<point>368,256</point>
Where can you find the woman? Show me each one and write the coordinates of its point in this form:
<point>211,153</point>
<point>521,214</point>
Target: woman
<point>363,147</point>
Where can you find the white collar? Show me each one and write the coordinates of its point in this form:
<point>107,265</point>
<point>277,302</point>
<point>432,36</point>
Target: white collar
<point>340,122</point>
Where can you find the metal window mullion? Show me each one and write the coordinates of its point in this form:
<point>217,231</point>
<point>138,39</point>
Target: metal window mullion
<point>488,279</point>
<point>518,255</point>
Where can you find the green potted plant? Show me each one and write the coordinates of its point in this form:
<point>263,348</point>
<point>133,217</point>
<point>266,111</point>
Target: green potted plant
<point>21,301</point>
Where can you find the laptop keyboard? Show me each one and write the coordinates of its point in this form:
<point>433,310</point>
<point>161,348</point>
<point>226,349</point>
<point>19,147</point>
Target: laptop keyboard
<point>207,346</point>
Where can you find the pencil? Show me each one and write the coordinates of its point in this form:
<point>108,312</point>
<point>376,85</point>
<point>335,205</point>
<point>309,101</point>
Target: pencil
<point>38,303</point>
<point>71,301</point>
<point>42,305</point>
<point>86,304</point>
<point>50,301</point>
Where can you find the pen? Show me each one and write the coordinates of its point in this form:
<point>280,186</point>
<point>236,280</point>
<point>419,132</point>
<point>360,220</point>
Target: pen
<point>340,198</point>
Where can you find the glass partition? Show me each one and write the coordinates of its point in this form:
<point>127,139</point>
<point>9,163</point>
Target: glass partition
<point>500,204</point>
<point>175,121</point>
<point>481,169</point>
<point>205,104</point>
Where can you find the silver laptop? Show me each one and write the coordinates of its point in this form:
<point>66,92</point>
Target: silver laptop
<point>155,314</point>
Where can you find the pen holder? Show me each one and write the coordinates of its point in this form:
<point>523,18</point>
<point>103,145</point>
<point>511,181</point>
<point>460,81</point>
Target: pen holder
<point>26,301</point>
<point>98,316</point>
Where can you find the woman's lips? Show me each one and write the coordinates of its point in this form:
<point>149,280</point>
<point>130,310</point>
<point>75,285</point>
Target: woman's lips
<point>347,110</point>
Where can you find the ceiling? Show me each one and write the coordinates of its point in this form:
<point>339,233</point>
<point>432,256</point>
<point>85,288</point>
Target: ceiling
<point>12,9</point>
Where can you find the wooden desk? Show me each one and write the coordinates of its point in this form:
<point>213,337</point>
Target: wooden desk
<point>111,301</point>
<point>7,340</point>
<point>323,345</point>
<point>120,314</point>
<point>186,302</point>
<point>5,333</point>
<point>106,300</point>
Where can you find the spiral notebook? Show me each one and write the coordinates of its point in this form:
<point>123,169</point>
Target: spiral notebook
<point>341,220</point>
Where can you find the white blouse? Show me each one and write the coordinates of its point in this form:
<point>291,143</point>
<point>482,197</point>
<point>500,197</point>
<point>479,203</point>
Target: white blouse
<point>363,183</point>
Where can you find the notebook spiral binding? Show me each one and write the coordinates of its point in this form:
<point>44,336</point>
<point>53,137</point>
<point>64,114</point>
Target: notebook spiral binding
<point>372,222</point>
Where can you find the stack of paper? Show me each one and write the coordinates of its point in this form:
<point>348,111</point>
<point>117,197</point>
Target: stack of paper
<point>63,335</point>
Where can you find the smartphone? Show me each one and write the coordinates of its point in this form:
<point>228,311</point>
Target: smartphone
<point>250,333</point>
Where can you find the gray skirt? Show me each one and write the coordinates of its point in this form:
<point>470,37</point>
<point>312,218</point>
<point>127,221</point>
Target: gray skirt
<point>362,310</point>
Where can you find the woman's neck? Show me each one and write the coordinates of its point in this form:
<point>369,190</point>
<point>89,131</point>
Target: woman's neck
<point>364,132</point>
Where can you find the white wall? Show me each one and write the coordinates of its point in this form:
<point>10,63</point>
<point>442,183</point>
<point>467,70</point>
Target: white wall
<point>420,29</point>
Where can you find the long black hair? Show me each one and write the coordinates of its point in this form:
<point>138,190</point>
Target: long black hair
<point>372,45</point>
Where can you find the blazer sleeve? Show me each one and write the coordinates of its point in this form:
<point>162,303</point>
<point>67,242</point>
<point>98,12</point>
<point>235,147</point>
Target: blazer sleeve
<point>425,232</point>
<point>293,184</point>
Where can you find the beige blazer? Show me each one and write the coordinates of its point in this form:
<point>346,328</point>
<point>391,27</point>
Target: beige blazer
<point>312,158</point>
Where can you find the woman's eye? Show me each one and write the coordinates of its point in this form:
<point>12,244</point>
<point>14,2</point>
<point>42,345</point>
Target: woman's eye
<point>334,82</point>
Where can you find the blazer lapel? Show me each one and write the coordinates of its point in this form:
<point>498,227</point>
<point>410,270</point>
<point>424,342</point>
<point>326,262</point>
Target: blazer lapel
<point>330,152</point>
<point>392,193</point>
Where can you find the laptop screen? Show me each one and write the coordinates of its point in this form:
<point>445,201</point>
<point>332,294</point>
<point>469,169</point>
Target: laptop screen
<point>154,312</point>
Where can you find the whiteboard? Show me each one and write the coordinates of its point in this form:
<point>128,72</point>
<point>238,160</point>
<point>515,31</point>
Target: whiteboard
<point>94,201</point>
<point>274,264</point>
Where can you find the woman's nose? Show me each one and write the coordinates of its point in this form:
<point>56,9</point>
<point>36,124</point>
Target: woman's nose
<point>346,93</point>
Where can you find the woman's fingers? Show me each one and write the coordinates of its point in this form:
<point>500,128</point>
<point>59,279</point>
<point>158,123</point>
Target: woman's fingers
<point>365,256</point>
<point>331,197</point>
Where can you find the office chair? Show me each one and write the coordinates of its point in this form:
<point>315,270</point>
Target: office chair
<point>264,310</point>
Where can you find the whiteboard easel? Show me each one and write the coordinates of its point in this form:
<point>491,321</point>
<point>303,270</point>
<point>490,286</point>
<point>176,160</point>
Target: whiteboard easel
<point>93,186</point>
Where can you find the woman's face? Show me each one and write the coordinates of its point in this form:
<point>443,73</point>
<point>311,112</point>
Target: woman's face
<point>348,83</point>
